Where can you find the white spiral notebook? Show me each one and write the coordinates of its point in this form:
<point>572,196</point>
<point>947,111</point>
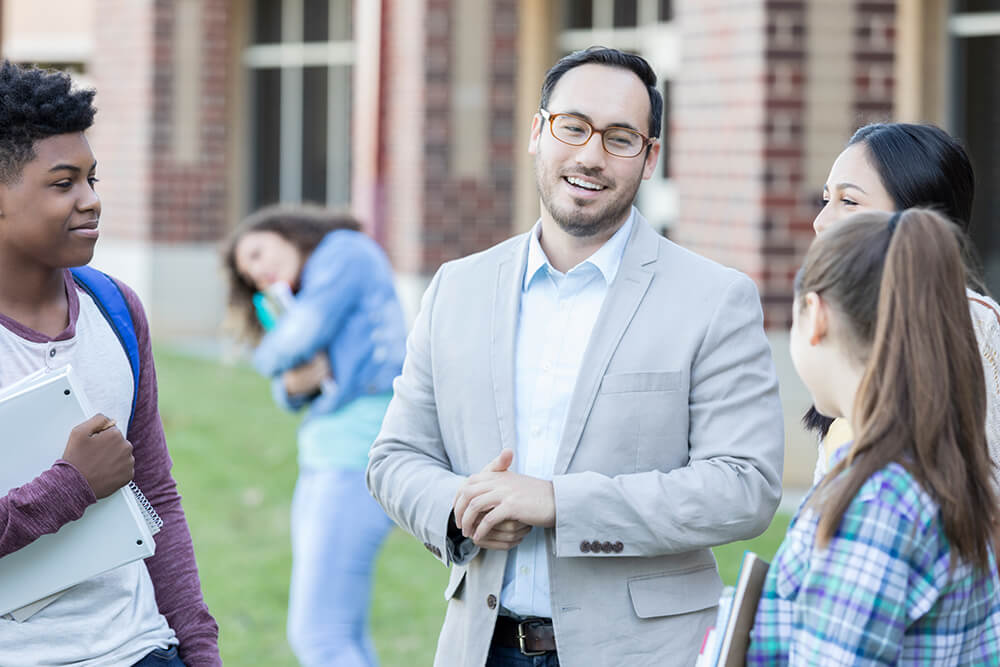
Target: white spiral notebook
<point>36,417</point>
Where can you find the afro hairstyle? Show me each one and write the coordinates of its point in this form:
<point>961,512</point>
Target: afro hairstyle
<point>36,104</point>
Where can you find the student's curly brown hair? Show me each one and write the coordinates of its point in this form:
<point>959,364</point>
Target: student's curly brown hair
<point>302,225</point>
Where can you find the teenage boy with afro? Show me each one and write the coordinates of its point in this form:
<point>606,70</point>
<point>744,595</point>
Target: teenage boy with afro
<point>149,612</point>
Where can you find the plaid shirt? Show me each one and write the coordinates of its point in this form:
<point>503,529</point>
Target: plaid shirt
<point>881,593</point>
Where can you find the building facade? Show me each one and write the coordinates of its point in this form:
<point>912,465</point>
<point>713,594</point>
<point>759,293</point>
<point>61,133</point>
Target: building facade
<point>415,115</point>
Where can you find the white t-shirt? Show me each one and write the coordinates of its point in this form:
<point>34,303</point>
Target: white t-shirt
<point>112,619</point>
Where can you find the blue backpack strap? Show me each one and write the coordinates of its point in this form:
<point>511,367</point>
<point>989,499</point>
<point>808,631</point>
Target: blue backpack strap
<point>112,304</point>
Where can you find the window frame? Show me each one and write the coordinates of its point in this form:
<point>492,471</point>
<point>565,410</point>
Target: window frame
<point>292,55</point>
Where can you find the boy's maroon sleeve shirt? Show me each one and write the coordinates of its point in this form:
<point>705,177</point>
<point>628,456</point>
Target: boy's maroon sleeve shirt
<point>61,494</point>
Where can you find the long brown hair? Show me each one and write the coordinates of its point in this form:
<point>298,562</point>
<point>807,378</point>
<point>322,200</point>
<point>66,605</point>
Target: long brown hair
<point>302,225</point>
<point>900,286</point>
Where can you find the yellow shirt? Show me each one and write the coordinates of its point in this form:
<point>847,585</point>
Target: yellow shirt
<point>840,433</point>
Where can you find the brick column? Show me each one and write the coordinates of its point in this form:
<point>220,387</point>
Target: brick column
<point>122,69</point>
<point>160,137</point>
<point>741,151</point>
<point>874,62</point>
<point>189,191</point>
<point>431,213</point>
<point>717,131</point>
<point>788,201</point>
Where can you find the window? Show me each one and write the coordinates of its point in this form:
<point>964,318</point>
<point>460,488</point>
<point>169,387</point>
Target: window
<point>578,14</point>
<point>665,132</point>
<point>976,41</point>
<point>666,11</point>
<point>300,61</point>
<point>626,13</point>
<point>970,6</point>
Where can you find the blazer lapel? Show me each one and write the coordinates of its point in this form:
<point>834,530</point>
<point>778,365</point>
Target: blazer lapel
<point>620,304</point>
<point>506,306</point>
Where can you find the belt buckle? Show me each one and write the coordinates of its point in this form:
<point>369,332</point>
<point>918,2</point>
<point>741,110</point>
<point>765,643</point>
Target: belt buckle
<point>521,636</point>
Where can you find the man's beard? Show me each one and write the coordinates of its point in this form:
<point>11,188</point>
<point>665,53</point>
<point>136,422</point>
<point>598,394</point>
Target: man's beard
<point>588,218</point>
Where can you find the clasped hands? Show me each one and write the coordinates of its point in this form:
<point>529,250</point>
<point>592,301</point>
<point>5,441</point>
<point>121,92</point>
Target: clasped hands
<point>497,507</point>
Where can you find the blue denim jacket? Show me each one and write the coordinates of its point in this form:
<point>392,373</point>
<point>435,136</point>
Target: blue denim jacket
<point>347,306</point>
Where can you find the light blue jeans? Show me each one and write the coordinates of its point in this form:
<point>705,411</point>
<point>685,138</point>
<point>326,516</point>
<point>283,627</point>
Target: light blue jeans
<point>337,529</point>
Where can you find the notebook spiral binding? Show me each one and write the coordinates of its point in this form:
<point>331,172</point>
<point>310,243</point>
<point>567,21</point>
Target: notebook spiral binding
<point>153,519</point>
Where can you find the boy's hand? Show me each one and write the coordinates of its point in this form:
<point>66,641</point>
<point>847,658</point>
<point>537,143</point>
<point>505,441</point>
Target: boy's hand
<point>102,455</point>
<point>308,377</point>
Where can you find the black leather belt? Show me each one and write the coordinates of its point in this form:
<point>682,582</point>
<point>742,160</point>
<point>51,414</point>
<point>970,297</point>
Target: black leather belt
<point>533,636</point>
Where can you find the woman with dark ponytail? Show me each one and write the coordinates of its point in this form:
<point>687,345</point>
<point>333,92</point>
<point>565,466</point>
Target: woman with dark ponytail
<point>890,558</point>
<point>895,166</point>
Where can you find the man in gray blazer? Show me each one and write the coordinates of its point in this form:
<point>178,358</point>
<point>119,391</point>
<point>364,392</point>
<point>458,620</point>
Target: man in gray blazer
<point>584,409</point>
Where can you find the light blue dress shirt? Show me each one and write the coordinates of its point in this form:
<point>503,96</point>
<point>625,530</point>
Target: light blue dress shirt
<point>557,314</point>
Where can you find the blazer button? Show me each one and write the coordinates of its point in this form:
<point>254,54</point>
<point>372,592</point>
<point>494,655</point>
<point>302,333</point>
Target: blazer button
<point>617,547</point>
<point>606,547</point>
<point>585,547</point>
<point>595,546</point>
<point>491,601</point>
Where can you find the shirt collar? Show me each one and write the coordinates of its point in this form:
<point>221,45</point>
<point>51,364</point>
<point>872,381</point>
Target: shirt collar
<point>607,259</point>
<point>840,453</point>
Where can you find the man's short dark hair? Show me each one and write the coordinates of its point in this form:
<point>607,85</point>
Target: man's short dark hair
<point>36,104</point>
<point>600,55</point>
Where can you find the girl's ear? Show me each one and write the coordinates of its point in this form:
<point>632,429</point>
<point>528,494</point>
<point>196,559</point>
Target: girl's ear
<point>817,315</point>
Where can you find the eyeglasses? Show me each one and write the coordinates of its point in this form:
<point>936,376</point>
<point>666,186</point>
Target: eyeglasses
<point>575,131</point>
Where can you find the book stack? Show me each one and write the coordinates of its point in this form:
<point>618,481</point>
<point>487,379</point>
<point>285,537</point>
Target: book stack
<point>36,416</point>
<point>725,645</point>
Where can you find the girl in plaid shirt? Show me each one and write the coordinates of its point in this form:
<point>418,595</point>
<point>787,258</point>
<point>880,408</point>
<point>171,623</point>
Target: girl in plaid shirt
<point>890,559</point>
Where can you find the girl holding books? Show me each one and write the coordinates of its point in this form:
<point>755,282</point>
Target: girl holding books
<point>334,347</point>
<point>891,167</point>
<point>889,560</point>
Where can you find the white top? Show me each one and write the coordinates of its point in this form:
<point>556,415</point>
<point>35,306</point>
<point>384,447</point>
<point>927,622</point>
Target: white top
<point>111,619</point>
<point>987,325</point>
<point>558,312</point>
<point>986,322</point>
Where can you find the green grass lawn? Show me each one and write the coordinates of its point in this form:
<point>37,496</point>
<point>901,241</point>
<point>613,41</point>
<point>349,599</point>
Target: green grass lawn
<point>234,460</point>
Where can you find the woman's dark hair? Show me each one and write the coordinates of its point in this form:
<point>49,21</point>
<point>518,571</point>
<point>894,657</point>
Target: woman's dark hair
<point>920,165</point>
<point>303,225</point>
<point>600,55</point>
<point>37,104</point>
<point>922,399</point>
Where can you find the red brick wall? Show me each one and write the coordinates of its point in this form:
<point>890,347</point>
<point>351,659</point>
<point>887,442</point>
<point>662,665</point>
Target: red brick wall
<point>148,195</point>
<point>788,201</point>
<point>449,217</point>
<point>121,70</point>
<point>739,156</point>
<point>189,199</point>
<point>717,139</point>
<point>874,48</point>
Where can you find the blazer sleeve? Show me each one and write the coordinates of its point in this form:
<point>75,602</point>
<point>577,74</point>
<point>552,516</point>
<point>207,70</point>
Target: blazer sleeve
<point>731,485</point>
<point>409,472</point>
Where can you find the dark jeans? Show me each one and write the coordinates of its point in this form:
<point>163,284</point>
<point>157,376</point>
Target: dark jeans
<point>512,657</point>
<point>161,657</point>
